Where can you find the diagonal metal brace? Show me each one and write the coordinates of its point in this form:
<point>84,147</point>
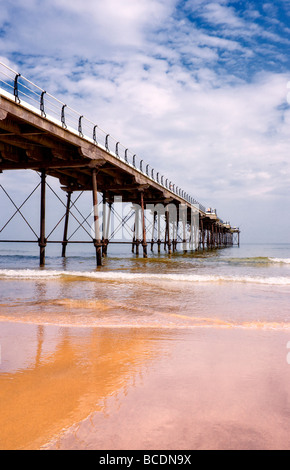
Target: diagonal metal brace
<point>18,210</point>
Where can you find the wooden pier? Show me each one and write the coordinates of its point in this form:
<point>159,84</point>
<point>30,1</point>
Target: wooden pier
<point>38,132</point>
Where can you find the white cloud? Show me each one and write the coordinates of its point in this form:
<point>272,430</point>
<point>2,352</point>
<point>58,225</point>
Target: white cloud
<point>222,15</point>
<point>91,29</point>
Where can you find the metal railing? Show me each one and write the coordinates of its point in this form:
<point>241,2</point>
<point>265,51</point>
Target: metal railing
<point>26,93</point>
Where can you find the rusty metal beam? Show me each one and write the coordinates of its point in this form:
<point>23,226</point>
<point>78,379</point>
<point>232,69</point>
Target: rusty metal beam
<point>97,240</point>
<point>65,241</point>
<point>42,240</point>
<point>144,242</point>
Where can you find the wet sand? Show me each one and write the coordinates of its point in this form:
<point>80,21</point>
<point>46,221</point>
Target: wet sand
<point>143,388</point>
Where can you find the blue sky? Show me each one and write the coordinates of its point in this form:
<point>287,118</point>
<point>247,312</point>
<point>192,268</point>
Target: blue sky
<point>197,88</point>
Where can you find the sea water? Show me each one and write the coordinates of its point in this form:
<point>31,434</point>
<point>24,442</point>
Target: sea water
<point>230,287</point>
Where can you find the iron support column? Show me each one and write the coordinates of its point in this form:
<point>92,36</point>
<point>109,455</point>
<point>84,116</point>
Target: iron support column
<point>106,225</point>
<point>134,236</point>
<point>144,243</point>
<point>107,228</point>
<point>136,241</point>
<point>153,230</point>
<point>202,234</point>
<point>97,240</point>
<point>184,222</point>
<point>64,243</point>
<point>168,231</point>
<point>42,239</point>
<point>159,232</point>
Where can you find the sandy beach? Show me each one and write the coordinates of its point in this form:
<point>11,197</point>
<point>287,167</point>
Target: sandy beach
<point>184,353</point>
<point>90,388</point>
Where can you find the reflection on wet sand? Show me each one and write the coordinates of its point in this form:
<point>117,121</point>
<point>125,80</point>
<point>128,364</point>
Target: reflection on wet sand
<point>138,388</point>
<point>217,389</point>
<point>61,375</point>
<point>114,365</point>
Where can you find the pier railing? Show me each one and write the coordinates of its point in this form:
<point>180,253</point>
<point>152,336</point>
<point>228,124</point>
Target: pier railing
<point>28,94</point>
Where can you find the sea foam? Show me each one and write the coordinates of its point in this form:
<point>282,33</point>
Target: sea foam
<point>120,276</point>
<point>280,260</point>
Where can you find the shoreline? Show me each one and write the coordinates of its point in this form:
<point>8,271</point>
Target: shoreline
<point>205,323</point>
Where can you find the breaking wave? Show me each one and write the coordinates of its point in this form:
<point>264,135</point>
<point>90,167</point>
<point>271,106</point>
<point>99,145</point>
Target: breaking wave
<point>119,276</point>
<point>280,260</point>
